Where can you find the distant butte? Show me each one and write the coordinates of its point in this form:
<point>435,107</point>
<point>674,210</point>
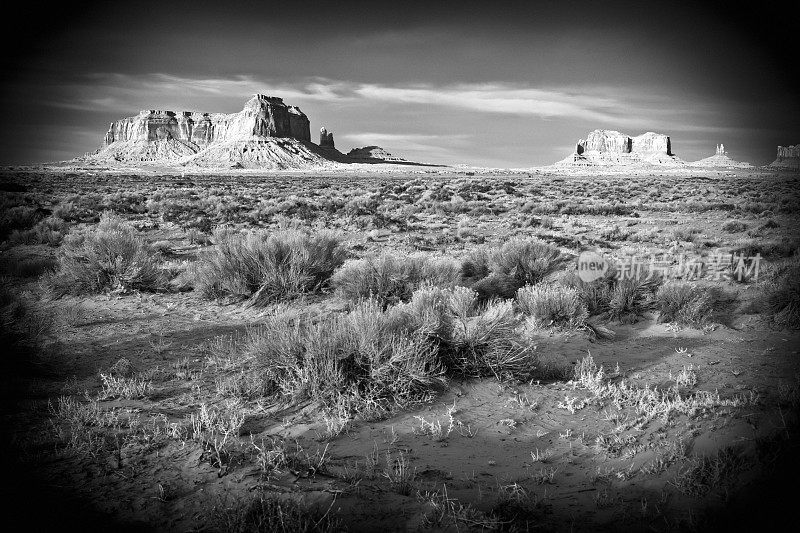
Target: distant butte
<point>720,160</point>
<point>265,134</point>
<point>612,148</point>
<point>788,158</point>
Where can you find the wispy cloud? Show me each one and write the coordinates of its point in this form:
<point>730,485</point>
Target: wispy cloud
<point>622,107</point>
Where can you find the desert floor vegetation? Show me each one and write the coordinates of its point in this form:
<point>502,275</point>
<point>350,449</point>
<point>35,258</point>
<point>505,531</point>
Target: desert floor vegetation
<point>318,352</point>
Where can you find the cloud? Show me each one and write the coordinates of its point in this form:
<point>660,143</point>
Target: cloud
<point>620,107</point>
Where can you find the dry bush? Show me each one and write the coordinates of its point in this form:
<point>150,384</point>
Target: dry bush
<point>473,339</point>
<point>272,513</point>
<point>686,303</point>
<point>26,267</point>
<point>500,272</point>
<point>49,231</point>
<point>392,279</point>
<point>631,297</point>
<point>368,356</point>
<point>16,217</point>
<point>734,226</point>
<point>267,267</point>
<point>109,256</point>
<point>595,295</point>
<point>552,305</point>
<point>781,294</point>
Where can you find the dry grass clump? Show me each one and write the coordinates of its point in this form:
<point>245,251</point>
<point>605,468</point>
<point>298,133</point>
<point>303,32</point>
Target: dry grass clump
<point>49,231</point>
<point>552,305</point>
<point>391,279</point>
<point>273,513</point>
<point>267,266</point>
<point>630,298</point>
<point>686,303</point>
<point>109,256</point>
<point>616,299</point>
<point>500,272</point>
<point>372,360</point>
<point>781,294</point>
<point>473,339</point>
<point>366,358</point>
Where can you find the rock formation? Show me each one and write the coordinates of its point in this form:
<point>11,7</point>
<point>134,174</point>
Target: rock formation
<point>266,133</point>
<point>611,148</point>
<point>325,138</point>
<point>720,160</point>
<point>788,158</point>
<point>373,154</point>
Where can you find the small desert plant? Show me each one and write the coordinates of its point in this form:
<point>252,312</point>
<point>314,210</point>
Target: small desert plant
<point>595,295</point>
<point>392,279</point>
<point>272,513</point>
<point>108,256</point>
<point>686,303</point>
<point>267,267</point>
<point>734,226</point>
<point>552,305</point>
<point>630,298</point>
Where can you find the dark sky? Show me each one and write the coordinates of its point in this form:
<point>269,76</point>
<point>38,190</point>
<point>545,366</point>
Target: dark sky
<point>491,83</point>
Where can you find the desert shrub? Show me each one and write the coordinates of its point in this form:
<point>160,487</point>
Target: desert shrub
<point>19,217</point>
<point>686,303</point>
<point>26,267</point>
<point>393,278</point>
<point>500,272</point>
<point>49,231</point>
<point>526,261</point>
<point>362,356</point>
<point>267,267</point>
<point>595,295</point>
<point>734,226</point>
<point>272,513</point>
<point>552,305</point>
<point>686,234</point>
<point>781,294</point>
<point>630,298</point>
<point>109,256</point>
<point>473,339</point>
<point>769,249</point>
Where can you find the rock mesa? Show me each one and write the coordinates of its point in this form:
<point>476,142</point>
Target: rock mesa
<point>788,158</point>
<point>266,133</point>
<point>611,148</point>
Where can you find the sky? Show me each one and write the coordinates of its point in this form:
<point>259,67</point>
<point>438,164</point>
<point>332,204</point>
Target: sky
<point>500,84</point>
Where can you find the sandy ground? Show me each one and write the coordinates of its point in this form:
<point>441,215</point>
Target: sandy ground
<point>505,451</point>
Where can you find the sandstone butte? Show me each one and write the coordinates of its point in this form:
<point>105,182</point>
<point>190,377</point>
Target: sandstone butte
<point>266,134</point>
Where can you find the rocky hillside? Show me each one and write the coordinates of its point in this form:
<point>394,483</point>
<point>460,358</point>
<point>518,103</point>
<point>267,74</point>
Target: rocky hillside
<point>265,134</point>
<point>720,160</point>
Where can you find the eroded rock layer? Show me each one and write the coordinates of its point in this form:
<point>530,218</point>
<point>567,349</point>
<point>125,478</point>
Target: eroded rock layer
<point>788,157</point>
<point>608,147</point>
<point>266,133</point>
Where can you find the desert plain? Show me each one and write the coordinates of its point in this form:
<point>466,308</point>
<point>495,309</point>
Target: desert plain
<point>398,348</point>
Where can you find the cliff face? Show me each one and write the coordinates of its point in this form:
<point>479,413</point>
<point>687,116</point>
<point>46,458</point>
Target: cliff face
<point>262,116</point>
<point>614,142</point>
<point>788,158</point>
<point>266,133</point>
<point>608,147</point>
<point>372,153</point>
